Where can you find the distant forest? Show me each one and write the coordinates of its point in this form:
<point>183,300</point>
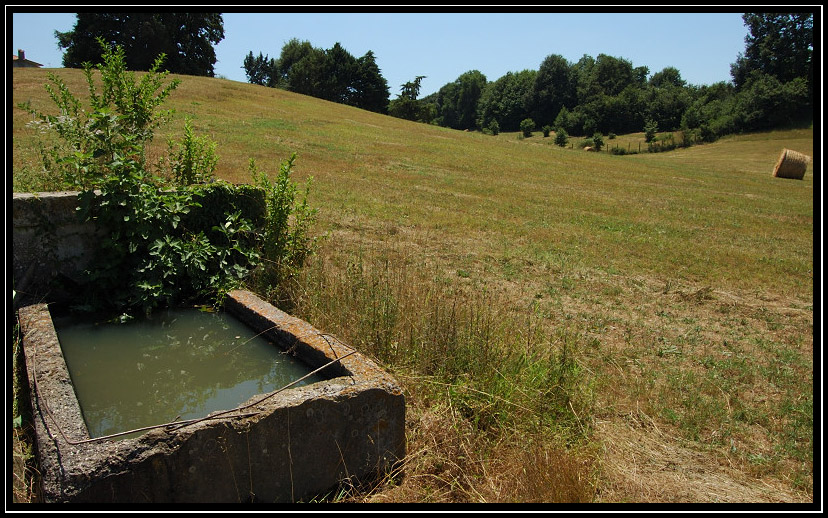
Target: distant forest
<point>771,87</point>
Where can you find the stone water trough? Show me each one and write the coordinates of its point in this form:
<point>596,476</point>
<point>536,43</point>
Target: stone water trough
<point>294,444</point>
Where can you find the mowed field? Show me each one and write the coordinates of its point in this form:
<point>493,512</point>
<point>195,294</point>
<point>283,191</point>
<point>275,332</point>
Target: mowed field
<point>637,327</point>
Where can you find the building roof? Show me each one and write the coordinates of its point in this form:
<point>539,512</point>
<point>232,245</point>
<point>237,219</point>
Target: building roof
<point>22,59</point>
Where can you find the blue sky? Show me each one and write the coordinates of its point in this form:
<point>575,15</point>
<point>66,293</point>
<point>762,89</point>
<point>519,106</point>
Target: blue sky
<point>443,45</point>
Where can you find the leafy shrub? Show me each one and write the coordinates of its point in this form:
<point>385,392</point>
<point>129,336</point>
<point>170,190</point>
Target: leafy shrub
<point>546,129</point>
<point>120,121</point>
<point>650,129</point>
<point>527,126</point>
<point>598,141</point>
<point>164,241</point>
<point>192,160</point>
<point>286,241</point>
<point>561,137</point>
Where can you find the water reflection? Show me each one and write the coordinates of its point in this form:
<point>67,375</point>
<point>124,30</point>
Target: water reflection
<point>181,363</point>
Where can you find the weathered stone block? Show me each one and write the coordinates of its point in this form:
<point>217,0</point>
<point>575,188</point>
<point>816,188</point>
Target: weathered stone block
<point>286,446</point>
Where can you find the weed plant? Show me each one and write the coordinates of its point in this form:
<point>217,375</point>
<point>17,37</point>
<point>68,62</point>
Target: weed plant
<point>151,252</point>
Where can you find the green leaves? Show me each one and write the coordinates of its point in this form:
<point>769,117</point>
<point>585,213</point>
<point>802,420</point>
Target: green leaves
<point>192,160</point>
<point>154,251</point>
<point>285,240</point>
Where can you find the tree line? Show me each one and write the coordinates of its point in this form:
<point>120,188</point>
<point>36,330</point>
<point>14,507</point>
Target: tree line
<point>771,87</point>
<point>332,74</point>
<point>772,81</point>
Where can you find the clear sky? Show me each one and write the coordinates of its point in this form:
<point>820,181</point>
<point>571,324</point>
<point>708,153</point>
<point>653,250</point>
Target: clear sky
<point>443,45</point>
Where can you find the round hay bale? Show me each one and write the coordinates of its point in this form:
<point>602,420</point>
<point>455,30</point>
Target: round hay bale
<point>791,164</point>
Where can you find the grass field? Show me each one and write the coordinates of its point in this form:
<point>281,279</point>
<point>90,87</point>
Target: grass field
<point>568,326</point>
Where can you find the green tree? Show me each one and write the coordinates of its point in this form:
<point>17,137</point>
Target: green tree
<point>712,111</point>
<point>778,44</point>
<point>308,75</point>
<point>563,120</point>
<point>585,85</point>
<point>668,98</point>
<point>333,74</point>
<point>186,39</point>
<point>609,95</point>
<point>669,76</point>
<point>292,53</point>
<point>370,88</point>
<point>506,100</point>
<point>457,101</point>
<point>613,74</point>
<point>527,126</point>
<point>406,106</point>
<point>339,70</point>
<point>561,137</point>
<point>553,89</point>
<point>598,141</point>
<point>650,129</point>
<point>765,102</point>
<point>260,70</point>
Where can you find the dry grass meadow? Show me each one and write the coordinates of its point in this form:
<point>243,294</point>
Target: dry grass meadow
<point>567,326</point>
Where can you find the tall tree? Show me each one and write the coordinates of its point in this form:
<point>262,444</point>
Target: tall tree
<point>554,89</point>
<point>260,70</point>
<point>332,74</point>
<point>406,106</point>
<point>187,40</point>
<point>613,74</point>
<point>669,76</point>
<point>506,100</point>
<point>668,98</point>
<point>457,101</point>
<point>293,52</point>
<point>307,74</point>
<point>774,77</point>
<point>370,88</point>
<point>779,44</point>
<point>340,72</point>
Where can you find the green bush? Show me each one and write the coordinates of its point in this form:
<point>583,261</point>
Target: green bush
<point>561,137</point>
<point>164,241</point>
<point>192,160</point>
<point>546,130</point>
<point>527,126</point>
<point>96,143</point>
<point>598,141</point>
<point>650,129</point>
<point>286,241</point>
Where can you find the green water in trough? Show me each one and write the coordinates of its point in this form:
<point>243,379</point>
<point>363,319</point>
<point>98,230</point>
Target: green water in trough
<point>177,364</point>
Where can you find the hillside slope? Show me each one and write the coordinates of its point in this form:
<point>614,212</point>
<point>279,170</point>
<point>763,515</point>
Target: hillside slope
<point>683,279</point>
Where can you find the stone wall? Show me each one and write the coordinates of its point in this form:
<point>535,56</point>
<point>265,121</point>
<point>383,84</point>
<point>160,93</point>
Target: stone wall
<point>49,244</point>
